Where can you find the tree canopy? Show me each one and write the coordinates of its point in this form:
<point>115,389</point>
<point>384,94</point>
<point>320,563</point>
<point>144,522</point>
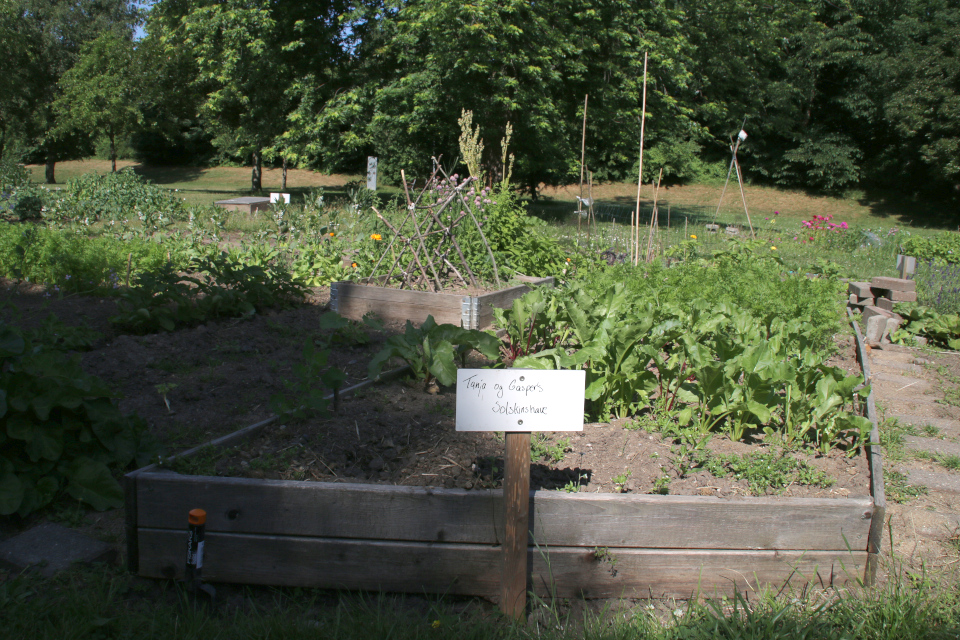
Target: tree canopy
<point>835,93</point>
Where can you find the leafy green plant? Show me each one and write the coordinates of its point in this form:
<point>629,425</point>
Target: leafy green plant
<point>661,486</point>
<point>765,472</point>
<point>306,392</point>
<point>942,248</point>
<point>116,197</point>
<point>942,329</point>
<point>74,262</point>
<point>541,449</point>
<point>59,430</point>
<point>432,350</point>
<point>166,299</point>
<point>620,480</point>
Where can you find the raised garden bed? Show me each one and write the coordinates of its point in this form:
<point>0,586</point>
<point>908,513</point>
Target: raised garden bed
<point>472,310</point>
<point>347,533</point>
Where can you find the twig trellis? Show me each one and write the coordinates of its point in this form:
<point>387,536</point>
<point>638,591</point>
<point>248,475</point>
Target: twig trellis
<point>429,267</point>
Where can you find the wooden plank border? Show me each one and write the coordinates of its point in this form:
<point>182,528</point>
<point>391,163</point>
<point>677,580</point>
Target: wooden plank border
<point>473,570</point>
<point>353,300</point>
<point>877,490</point>
<point>425,514</point>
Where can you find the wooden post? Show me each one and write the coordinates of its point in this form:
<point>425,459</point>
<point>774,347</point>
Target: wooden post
<point>516,498</point>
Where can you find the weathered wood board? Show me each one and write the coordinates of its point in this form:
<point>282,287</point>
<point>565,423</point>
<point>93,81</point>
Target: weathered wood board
<point>398,305</point>
<point>421,539</point>
<point>335,510</point>
<point>469,569</point>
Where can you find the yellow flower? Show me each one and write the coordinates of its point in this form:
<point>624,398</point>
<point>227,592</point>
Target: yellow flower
<point>568,259</point>
<point>331,234</point>
<point>354,265</point>
<point>435,624</point>
<point>693,236</point>
<point>773,248</point>
<point>376,236</point>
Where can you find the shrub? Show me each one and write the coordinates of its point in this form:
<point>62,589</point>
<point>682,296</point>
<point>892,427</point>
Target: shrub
<point>59,430</point>
<point>115,197</point>
<point>942,248</point>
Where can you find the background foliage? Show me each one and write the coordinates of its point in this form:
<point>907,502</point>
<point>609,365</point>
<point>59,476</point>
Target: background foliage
<point>834,94</point>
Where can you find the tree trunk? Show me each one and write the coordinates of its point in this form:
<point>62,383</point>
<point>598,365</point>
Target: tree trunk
<point>113,153</point>
<point>283,180</point>
<point>48,171</point>
<point>256,174</point>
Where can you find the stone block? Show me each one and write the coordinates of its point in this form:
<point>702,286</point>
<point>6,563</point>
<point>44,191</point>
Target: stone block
<point>902,296</point>
<point>870,311</point>
<point>854,299</point>
<point>866,302</point>
<point>885,304</point>
<point>861,289</point>
<point>51,548</point>
<point>894,284</point>
<point>876,327</point>
<point>712,228</point>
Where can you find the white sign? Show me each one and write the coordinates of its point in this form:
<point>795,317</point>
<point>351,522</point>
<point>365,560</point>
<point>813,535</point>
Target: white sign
<point>276,197</point>
<point>519,400</point>
<point>371,173</point>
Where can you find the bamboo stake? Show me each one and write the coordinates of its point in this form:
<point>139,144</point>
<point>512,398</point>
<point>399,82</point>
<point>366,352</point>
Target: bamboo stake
<point>744,198</point>
<point>733,160</point>
<point>583,155</point>
<point>466,207</point>
<point>635,227</point>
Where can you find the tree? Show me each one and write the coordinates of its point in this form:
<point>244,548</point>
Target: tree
<point>99,94</point>
<point>248,55</point>
<point>418,64</point>
<point>56,30</point>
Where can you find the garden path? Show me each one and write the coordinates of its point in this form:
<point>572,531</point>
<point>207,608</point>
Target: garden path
<point>920,389</point>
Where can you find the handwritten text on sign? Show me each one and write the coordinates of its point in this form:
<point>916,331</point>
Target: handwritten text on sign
<point>519,400</point>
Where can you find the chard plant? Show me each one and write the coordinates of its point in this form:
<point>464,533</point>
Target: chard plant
<point>433,350</point>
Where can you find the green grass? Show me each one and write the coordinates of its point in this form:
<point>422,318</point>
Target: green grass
<point>205,185</point>
<point>104,602</point>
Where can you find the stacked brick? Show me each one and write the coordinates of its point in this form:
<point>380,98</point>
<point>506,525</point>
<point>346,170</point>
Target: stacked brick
<point>876,299</point>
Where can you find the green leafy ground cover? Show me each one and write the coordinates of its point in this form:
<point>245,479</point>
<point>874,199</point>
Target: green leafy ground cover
<point>107,603</point>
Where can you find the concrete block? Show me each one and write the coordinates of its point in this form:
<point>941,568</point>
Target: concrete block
<point>876,326</point>
<point>892,325</point>
<point>885,304</point>
<point>902,296</point>
<point>861,289</point>
<point>894,284</point>
<point>51,548</point>
<point>866,302</point>
<point>712,228</point>
<point>854,299</point>
<point>870,311</point>
<point>733,231</point>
